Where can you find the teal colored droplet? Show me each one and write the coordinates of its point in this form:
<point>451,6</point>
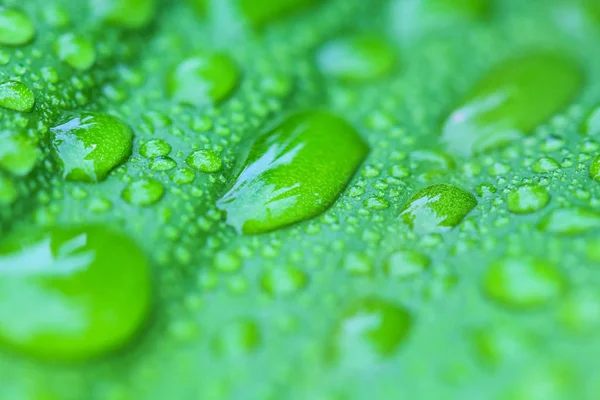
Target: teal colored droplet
<point>16,28</point>
<point>203,80</point>
<point>595,169</point>
<point>16,96</point>
<point>571,221</point>
<point>18,154</point>
<point>372,328</point>
<point>293,172</point>
<point>523,282</point>
<point>528,199</point>
<point>204,161</point>
<point>357,58</point>
<point>90,145</point>
<point>162,164</point>
<point>71,293</point>
<point>511,101</point>
<point>75,50</point>
<point>283,281</point>
<point>143,192</point>
<point>131,14</point>
<point>155,148</point>
<point>8,191</point>
<point>437,208</point>
<point>406,263</point>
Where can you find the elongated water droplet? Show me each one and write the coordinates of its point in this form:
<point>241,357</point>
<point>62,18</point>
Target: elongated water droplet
<point>132,14</point>
<point>16,28</point>
<point>293,172</point>
<point>570,221</point>
<point>357,58</point>
<point>437,208</point>
<point>203,80</point>
<point>77,51</point>
<point>511,101</point>
<point>16,96</point>
<point>89,145</point>
<point>71,293</point>
<point>523,282</point>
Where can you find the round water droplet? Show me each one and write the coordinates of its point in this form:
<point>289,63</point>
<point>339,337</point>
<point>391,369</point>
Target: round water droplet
<point>203,80</point>
<point>528,199</point>
<point>162,164</point>
<point>155,148</point>
<point>437,208</point>
<point>358,264</point>
<point>16,96</point>
<point>183,176</point>
<point>77,51</point>
<point>570,221</point>
<point>239,337</point>
<point>71,293</point>
<point>283,281</point>
<point>16,28</point>
<point>523,282</point>
<point>372,328</point>
<point>18,155</point>
<point>405,264</point>
<point>88,146</point>
<point>132,14</point>
<point>376,203</point>
<point>204,161</point>
<point>293,172</point>
<point>545,165</point>
<point>227,262</point>
<point>357,58</point>
<point>144,192</point>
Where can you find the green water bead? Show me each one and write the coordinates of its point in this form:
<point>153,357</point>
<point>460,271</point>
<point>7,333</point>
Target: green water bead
<point>143,192</point>
<point>16,28</point>
<point>18,154</point>
<point>293,172</point>
<point>528,199</point>
<point>204,161</point>
<point>90,145</point>
<point>16,96</point>
<point>71,293</point>
<point>75,50</point>
<point>130,14</point>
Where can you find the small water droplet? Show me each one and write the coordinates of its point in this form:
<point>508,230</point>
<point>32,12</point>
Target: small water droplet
<point>77,51</point>
<point>143,192</point>
<point>405,264</point>
<point>155,148</point>
<point>282,281</point>
<point>16,96</point>
<point>204,161</point>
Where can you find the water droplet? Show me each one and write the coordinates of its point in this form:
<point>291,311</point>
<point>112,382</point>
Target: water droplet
<point>204,161</point>
<point>437,208</point>
<point>131,14</point>
<point>262,12</point>
<point>545,165</point>
<point>155,148</point>
<point>71,293</point>
<point>144,192</point>
<point>77,51</point>
<point>227,262</point>
<point>183,176</point>
<point>580,312</point>
<point>89,145</point>
<point>405,264</point>
<point>595,169</point>
<point>496,345</point>
<point>358,264</point>
<point>238,337</point>
<point>282,281</point>
<point>523,282</point>
<point>570,221</point>
<point>293,172</point>
<point>357,58</point>
<point>372,328</point>
<point>203,80</point>
<point>16,96</point>
<point>16,28</point>
<point>8,191</point>
<point>376,203</point>
<point>162,164</point>
<point>528,199</point>
<point>18,155</point>
<point>511,101</point>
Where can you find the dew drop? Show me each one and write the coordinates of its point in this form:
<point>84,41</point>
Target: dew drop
<point>75,50</point>
<point>16,96</point>
<point>16,28</point>
<point>570,221</point>
<point>205,161</point>
<point>143,192</point>
<point>528,199</point>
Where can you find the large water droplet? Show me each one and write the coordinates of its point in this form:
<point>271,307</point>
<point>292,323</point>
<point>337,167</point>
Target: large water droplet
<point>16,28</point>
<point>372,328</point>
<point>203,80</point>
<point>511,101</point>
<point>357,58</point>
<point>528,199</point>
<point>89,145</point>
<point>523,282</point>
<point>77,51</point>
<point>131,14</point>
<point>16,96</point>
<point>71,293</point>
<point>293,172</point>
<point>437,208</point>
